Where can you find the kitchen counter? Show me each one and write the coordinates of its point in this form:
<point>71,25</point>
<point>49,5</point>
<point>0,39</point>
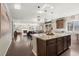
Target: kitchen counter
<point>43,36</point>
<point>50,45</point>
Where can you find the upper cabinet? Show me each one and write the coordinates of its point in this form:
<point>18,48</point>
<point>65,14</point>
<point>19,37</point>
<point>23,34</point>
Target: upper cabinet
<point>60,23</point>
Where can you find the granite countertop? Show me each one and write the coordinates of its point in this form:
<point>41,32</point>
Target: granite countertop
<point>43,36</point>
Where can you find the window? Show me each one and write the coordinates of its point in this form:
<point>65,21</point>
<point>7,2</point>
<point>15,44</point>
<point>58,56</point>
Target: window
<point>76,25</point>
<point>73,26</point>
<point>70,26</point>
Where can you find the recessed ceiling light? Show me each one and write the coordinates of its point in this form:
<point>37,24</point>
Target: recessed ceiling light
<point>17,6</point>
<point>40,11</point>
<point>52,7</point>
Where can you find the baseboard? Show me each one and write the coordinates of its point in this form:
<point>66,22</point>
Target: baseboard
<point>8,47</point>
<point>34,52</point>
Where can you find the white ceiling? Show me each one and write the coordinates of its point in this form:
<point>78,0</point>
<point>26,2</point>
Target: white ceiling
<point>28,11</point>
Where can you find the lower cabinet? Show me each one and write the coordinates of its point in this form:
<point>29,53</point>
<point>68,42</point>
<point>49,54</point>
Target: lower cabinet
<point>41,47</point>
<point>53,47</point>
<point>65,42</point>
<point>60,45</point>
<point>69,41</point>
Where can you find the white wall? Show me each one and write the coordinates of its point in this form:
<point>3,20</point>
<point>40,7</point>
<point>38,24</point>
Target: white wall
<point>5,42</point>
<point>6,38</point>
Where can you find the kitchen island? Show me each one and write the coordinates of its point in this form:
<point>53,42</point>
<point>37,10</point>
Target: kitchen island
<point>50,45</point>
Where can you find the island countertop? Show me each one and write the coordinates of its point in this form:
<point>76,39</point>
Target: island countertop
<point>43,36</point>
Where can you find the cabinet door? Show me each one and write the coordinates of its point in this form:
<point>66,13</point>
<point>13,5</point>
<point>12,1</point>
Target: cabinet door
<point>41,47</point>
<point>65,42</point>
<point>69,40</point>
<point>60,45</point>
<point>51,50</point>
<point>60,23</point>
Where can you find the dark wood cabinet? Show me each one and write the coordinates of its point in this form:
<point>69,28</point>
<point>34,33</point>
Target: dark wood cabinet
<point>46,47</point>
<point>60,45</point>
<point>41,47</point>
<point>51,50</point>
<point>65,42</point>
<point>60,23</point>
<point>53,47</point>
<point>69,41</point>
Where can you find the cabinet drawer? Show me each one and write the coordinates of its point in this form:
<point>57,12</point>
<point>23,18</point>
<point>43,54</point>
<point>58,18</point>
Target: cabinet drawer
<point>51,50</point>
<point>51,41</point>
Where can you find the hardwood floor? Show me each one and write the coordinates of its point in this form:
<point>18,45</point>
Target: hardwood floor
<point>20,47</point>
